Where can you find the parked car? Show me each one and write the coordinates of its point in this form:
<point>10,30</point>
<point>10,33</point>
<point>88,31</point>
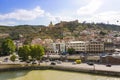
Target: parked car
<point>53,63</point>
<point>108,65</point>
<point>34,62</point>
<point>0,62</point>
<point>17,59</point>
<point>6,60</point>
<point>21,61</point>
<point>28,61</point>
<point>58,62</point>
<point>78,61</point>
<point>90,63</point>
<point>47,60</point>
<point>74,63</point>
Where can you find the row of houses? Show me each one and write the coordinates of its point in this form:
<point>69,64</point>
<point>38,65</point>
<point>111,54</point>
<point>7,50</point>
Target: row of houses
<point>91,47</point>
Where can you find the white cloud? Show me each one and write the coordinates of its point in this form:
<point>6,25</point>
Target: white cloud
<point>112,17</point>
<point>23,14</point>
<point>87,13</point>
<point>50,17</point>
<point>58,18</point>
<point>8,23</point>
<point>64,18</point>
<point>27,15</point>
<point>90,8</point>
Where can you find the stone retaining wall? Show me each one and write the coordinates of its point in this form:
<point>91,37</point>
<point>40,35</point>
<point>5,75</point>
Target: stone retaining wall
<point>54,67</point>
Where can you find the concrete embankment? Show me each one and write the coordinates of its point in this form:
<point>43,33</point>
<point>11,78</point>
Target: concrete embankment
<point>99,72</point>
<point>14,67</point>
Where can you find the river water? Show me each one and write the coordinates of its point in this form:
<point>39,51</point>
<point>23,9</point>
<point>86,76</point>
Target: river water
<point>51,75</point>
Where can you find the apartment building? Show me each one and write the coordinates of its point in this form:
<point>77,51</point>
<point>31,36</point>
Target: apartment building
<point>89,47</point>
<point>95,47</point>
<point>109,47</point>
<point>79,46</point>
<point>56,48</point>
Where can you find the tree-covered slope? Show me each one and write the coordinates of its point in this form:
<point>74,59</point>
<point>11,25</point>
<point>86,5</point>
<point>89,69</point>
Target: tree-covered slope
<point>59,30</point>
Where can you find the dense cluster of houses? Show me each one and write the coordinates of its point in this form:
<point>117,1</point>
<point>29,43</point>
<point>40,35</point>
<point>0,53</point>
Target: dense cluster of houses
<point>92,47</point>
<point>89,41</point>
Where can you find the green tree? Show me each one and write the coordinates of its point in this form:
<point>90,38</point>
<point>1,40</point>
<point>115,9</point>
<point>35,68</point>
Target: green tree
<point>27,42</point>
<point>13,57</point>
<point>103,33</point>
<point>8,47</point>
<point>40,52</point>
<point>14,35</point>
<point>71,50</point>
<point>46,49</point>
<point>24,52</point>
<point>37,52</point>
<point>116,35</point>
<point>34,51</point>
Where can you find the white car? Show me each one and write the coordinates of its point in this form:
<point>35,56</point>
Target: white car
<point>0,62</point>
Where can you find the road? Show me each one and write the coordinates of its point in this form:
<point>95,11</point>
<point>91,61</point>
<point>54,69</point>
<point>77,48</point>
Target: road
<point>115,68</point>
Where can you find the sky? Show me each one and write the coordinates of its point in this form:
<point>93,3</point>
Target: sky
<point>41,12</point>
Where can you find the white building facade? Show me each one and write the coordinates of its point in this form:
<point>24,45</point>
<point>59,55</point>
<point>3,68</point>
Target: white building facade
<point>57,48</point>
<point>79,46</point>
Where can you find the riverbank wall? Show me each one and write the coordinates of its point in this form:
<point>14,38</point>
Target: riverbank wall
<point>15,67</point>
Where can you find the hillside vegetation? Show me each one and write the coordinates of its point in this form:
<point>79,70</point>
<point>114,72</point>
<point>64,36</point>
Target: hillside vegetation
<point>58,31</point>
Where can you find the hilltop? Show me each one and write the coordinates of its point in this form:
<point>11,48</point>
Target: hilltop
<point>60,30</point>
